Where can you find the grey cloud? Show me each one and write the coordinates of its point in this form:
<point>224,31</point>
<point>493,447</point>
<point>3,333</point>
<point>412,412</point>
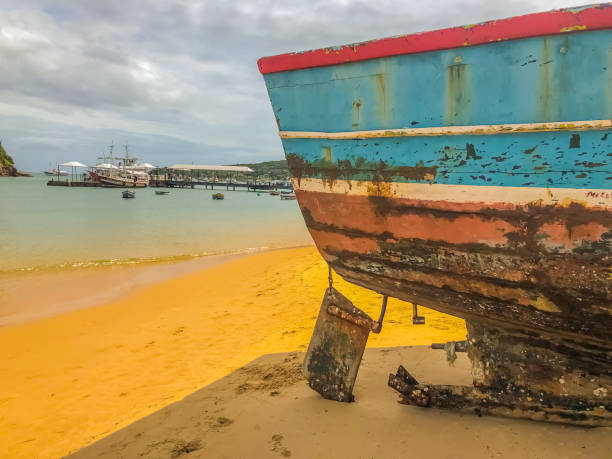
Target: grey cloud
<point>180,74</point>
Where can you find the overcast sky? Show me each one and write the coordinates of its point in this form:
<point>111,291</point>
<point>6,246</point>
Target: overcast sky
<point>178,80</point>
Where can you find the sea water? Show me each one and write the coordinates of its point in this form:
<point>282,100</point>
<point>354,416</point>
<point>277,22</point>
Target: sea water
<point>45,227</point>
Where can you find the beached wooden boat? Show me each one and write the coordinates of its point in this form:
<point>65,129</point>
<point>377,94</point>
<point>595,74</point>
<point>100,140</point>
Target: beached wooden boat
<point>469,170</point>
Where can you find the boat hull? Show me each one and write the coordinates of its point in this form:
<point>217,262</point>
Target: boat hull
<point>544,266</point>
<point>475,180</point>
<point>118,182</point>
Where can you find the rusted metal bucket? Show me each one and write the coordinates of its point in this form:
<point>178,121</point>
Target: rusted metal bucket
<point>336,347</point>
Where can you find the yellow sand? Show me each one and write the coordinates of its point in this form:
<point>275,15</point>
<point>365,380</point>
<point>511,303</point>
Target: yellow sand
<point>74,378</point>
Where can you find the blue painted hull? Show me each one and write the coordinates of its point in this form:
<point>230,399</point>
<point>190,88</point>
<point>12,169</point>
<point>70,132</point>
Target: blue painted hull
<point>556,78</point>
<point>543,159</point>
<point>557,182</point>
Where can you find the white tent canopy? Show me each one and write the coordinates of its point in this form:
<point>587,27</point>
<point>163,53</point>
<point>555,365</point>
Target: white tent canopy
<point>197,167</point>
<point>143,166</point>
<point>73,164</point>
<point>106,166</point>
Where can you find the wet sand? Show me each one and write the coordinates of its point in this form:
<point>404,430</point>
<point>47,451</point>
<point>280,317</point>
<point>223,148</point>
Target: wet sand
<point>69,380</point>
<point>266,410</point>
<point>29,296</point>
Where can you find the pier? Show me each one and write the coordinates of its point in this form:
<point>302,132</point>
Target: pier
<point>191,176</point>
<point>249,186</point>
<point>182,176</point>
<point>73,183</point>
<point>228,186</point>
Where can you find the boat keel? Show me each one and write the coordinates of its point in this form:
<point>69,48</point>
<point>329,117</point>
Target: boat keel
<point>521,374</point>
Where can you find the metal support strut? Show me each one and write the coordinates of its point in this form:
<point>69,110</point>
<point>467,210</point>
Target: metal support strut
<point>416,318</point>
<point>356,316</point>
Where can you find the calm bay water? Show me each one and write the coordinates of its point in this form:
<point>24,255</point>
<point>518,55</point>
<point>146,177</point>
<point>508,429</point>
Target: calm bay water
<point>45,227</point>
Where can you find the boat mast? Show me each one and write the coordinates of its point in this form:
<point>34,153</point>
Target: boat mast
<point>126,159</point>
<point>109,158</point>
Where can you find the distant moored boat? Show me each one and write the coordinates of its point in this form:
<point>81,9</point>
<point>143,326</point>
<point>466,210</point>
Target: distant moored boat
<point>55,172</point>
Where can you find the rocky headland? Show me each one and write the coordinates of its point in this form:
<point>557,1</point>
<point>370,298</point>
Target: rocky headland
<point>7,166</point>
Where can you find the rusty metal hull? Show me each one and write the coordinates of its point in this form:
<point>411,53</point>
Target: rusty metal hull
<point>545,267</point>
<point>474,180</point>
<point>539,318</point>
<point>335,351</point>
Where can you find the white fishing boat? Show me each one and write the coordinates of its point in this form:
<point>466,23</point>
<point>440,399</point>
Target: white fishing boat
<point>56,172</point>
<point>125,178</point>
<point>126,174</point>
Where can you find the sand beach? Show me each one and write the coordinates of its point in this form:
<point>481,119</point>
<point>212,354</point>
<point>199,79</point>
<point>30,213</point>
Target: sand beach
<point>266,410</point>
<point>76,377</point>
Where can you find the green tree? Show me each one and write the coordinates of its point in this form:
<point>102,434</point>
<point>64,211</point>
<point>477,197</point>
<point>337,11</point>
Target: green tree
<point>276,170</point>
<point>5,159</point>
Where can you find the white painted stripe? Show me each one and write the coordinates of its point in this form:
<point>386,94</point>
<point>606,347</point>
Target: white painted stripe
<point>514,196</point>
<point>485,129</point>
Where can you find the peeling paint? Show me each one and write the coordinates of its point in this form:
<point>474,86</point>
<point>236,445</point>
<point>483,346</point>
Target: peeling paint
<point>591,17</point>
<point>380,171</point>
<point>454,130</point>
<point>457,95</point>
<point>572,28</point>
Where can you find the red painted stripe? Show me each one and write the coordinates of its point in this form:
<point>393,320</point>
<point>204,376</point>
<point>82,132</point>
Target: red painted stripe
<point>358,213</point>
<point>406,219</point>
<point>555,22</point>
<point>339,242</point>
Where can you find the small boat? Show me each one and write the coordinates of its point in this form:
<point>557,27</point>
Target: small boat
<point>467,170</point>
<point>218,196</point>
<point>55,172</point>
<point>288,197</point>
<point>273,193</point>
<point>159,192</point>
<point>127,194</point>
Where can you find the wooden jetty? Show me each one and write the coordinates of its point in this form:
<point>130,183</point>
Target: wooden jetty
<point>73,183</point>
<point>190,175</point>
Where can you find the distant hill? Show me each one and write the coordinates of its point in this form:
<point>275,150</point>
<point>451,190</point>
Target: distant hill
<point>277,170</point>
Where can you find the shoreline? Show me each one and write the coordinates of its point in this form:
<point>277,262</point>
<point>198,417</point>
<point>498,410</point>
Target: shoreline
<point>71,288</point>
<point>71,379</point>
